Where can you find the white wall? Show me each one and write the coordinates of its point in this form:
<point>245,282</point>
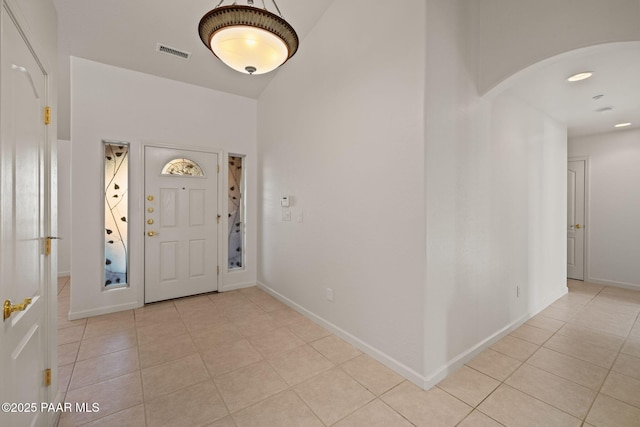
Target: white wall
<point>122,105</point>
<point>341,130</point>
<point>496,202</point>
<point>614,206</point>
<point>64,207</point>
<point>363,142</point>
<point>513,35</point>
<point>424,206</point>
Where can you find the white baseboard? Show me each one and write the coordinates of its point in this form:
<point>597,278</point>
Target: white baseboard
<point>458,361</point>
<point>462,358</point>
<point>425,382</point>
<point>381,357</point>
<point>235,286</point>
<point>551,300</point>
<point>624,285</point>
<point>102,310</point>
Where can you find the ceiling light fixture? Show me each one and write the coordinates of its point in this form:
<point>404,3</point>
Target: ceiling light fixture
<point>248,39</point>
<point>622,125</point>
<point>580,76</point>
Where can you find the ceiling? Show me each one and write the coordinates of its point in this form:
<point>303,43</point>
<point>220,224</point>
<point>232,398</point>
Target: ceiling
<point>125,33</point>
<point>616,71</point>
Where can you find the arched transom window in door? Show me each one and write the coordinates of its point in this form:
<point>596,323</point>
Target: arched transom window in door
<point>182,166</point>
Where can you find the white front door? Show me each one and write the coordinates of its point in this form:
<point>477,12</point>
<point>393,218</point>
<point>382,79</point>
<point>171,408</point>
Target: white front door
<point>575,219</point>
<point>25,350</point>
<point>181,223</point>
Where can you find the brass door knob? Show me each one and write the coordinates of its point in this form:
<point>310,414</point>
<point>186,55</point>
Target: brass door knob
<point>152,233</point>
<point>578,226</point>
<point>10,308</point>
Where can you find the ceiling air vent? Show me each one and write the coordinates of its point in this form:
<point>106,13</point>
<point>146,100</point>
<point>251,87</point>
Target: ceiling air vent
<point>173,51</point>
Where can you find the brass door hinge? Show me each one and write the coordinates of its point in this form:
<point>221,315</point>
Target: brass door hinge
<point>218,270</point>
<point>218,219</point>
<point>47,377</point>
<point>47,244</point>
<point>218,168</point>
<point>47,115</point>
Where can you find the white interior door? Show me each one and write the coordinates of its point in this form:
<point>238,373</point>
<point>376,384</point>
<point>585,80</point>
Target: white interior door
<point>24,344</point>
<point>575,219</point>
<point>181,223</point>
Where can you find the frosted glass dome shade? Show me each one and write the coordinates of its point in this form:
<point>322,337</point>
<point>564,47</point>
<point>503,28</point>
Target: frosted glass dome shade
<point>249,49</point>
<point>248,39</point>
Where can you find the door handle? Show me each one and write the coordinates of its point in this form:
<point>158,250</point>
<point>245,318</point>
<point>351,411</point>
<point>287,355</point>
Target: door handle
<point>10,308</point>
<point>578,226</point>
<point>152,233</point>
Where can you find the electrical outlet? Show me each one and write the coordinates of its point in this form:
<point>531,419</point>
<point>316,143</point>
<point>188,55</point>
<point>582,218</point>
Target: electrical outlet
<point>286,214</point>
<point>329,294</point>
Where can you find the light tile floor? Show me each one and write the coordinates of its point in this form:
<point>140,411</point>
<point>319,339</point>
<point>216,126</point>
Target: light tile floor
<point>243,358</point>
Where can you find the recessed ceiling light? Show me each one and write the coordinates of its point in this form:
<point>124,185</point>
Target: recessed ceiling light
<point>580,76</point>
<point>622,125</point>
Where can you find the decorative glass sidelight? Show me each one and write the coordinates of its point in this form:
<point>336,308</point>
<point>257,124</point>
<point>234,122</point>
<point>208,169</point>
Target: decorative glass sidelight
<point>236,212</point>
<point>116,213</point>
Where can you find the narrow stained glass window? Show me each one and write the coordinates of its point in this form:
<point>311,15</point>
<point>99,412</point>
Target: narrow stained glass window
<point>236,212</point>
<point>183,167</point>
<point>116,213</point>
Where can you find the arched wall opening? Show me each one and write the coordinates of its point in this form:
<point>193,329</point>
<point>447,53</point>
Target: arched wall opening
<point>544,29</point>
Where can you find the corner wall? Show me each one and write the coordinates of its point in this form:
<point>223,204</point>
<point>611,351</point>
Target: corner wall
<point>614,206</point>
<point>341,132</point>
<point>63,149</point>
<point>496,202</point>
<point>376,152</point>
<point>110,103</point>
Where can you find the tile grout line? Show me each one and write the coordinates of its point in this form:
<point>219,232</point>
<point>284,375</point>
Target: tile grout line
<point>599,391</point>
<point>541,346</point>
<point>287,327</point>
<point>144,406</point>
<point>610,369</point>
<point>503,382</point>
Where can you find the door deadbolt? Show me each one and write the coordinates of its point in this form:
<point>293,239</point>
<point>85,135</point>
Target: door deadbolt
<point>150,198</point>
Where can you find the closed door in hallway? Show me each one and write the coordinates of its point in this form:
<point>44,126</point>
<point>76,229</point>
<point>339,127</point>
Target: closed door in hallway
<point>24,266</point>
<point>575,219</point>
<point>181,230</point>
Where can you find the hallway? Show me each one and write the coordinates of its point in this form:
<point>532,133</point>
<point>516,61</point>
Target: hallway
<point>242,358</point>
